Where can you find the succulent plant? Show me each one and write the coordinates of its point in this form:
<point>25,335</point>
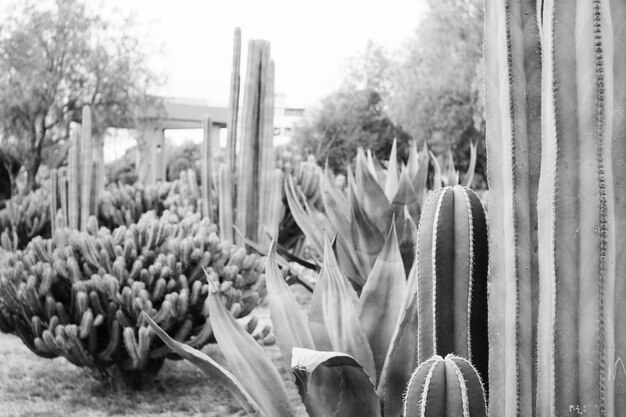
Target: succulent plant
<point>442,387</point>
<point>80,294</point>
<point>23,218</point>
<point>451,264</point>
<point>330,380</point>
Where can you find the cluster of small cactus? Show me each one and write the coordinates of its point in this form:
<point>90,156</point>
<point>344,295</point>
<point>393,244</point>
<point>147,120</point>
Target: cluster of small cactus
<point>23,218</point>
<point>123,204</point>
<point>80,294</point>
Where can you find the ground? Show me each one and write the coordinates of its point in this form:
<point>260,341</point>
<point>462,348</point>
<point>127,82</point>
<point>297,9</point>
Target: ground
<point>34,386</point>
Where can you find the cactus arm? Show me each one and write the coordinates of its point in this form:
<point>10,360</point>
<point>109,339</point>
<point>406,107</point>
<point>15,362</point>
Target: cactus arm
<point>206,168</point>
<point>53,200</point>
<point>86,168</point>
<point>266,154</point>
<point>233,107</point>
<point>225,188</point>
<point>73,180</point>
<point>618,214</point>
<point>512,86</point>
<point>580,241</point>
<point>425,291</point>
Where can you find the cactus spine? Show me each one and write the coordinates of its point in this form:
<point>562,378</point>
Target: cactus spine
<point>445,387</point>
<point>452,277</point>
<point>582,206</point>
<point>513,93</point>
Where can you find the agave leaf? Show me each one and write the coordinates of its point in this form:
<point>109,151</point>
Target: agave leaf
<point>371,196</point>
<point>378,307</point>
<point>302,218</point>
<point>290,323</point>
<point>316,322</point>
<point>451,173</point>
<point>366,236</point>
<point>223,377</point>
<point>333,384</point>
<point>469,175</point>
<point>438,178</point>
<point>339,308</point>
<point>401,357</point>
<point>283,256</point>
<point>336,206</point>
<point>376,168</point>
<point>248,361</point>
<point>274,211</point>
<point>405,193</point>
<point>412,164</point>
<point>407,237</point>
<point>391,182</point>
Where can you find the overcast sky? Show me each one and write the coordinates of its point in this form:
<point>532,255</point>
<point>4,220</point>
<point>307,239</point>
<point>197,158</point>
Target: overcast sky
<point>310,41</point>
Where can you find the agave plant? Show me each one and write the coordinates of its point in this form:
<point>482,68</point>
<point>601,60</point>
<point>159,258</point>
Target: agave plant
<point>360,215</point>
<point>363,360</point>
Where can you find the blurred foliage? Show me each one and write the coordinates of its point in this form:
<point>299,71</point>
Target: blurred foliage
<point>181,158</point>
<point>348,119</point>
<point>55,57</point>
<point>429,90</point>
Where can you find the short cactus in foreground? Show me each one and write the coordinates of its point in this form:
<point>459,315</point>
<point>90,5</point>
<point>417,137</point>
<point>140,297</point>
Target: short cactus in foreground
<point>444,388</point>
<point>80,294</point>
<point>451,266</point>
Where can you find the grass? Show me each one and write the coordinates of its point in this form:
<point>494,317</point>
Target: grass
<point>34,386</point>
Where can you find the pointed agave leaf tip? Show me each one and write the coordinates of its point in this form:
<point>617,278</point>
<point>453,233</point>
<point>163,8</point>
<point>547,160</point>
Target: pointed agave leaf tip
<point>208,366</point>
<point>248,361</point>
<point>339,308</point>
<point>378,306</point>
<point>290,324</point>
<point>391,183</point>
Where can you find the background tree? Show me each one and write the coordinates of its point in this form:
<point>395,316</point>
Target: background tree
<point>355,115</point>
<point>55,57</point>
<point>436,84</point>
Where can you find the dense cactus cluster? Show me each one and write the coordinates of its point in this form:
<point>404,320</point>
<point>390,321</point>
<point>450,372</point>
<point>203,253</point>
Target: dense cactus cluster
<point>123,204</point>
<point>23,218</point>
<point>80,294</point>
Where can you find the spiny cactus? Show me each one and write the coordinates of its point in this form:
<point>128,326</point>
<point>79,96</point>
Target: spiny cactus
<point>581,210</point>
<point>80,294</point>
<point>444,388</point>
<point>452,277</point>
<point>513,93</point>
<point>256,138</point>
<point>24,218</point>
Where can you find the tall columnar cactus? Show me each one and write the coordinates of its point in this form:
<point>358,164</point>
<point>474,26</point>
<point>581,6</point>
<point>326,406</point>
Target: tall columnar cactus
<point>259,85</point>
<point>266,155</point>
<point>452,277</point>
<point>233,106</point>
<point>513,93</point>
<point>87,201</point>
<point>444,388</point>
<point>53,199</point>
<point>206,170</point>
<point>582,211</point>
<point>73,177</point>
